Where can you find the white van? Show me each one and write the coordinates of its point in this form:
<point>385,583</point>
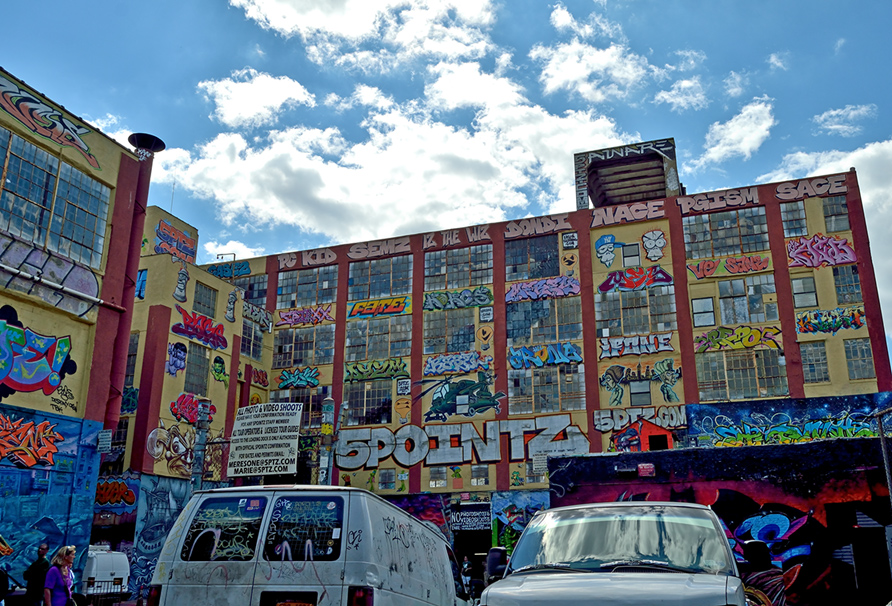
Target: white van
<point>106,573</point>
<point>303,546</point>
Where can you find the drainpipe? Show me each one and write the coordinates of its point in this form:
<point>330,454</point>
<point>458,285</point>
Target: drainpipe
<point>146,147</point>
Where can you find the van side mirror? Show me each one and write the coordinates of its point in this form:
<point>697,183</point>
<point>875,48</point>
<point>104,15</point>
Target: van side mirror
<point>496,563</point>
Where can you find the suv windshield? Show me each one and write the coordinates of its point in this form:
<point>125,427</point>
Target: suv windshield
<point>612,538</point>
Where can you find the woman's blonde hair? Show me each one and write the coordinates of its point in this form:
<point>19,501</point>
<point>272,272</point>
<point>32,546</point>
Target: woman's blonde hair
<point>61,554</point>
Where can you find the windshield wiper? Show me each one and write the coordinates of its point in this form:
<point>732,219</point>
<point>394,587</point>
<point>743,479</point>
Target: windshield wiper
<point>557,566</point>
<point>654,563</point>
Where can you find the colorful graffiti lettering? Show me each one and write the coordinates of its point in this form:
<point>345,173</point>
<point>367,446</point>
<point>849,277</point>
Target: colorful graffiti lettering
<point>820,250</point>
<point>375,369</point>
<point>299,377</point>
<point>636,345</point>
<point>174,242</point>
<point>259,377</point>
<point>129,400</point>
<point>459,299</point>
<point>730,266</point>
<point>201,328</point>
<point>549,288</point>
<point>230,270</point>
<point>456,363</point>
<point>176,358</point>
<point>305,315</point>
<point>830,321</point>
<point>175,446</point>
<point>434,444</point>
<point>30,361</point>
<point>114,492</point>
<point>392,306</point>
<point>28,444</point>
<point>43,120</point>
<point>786,432</point>
<point>635,278</point>
<point>369,250</point>
<point>550,355</point>
<point>668,417</point>
<point>537,226</point>
<point>742,337</point>
<point>186,408</point>
<point>258,314</point>
<point>464,397</point>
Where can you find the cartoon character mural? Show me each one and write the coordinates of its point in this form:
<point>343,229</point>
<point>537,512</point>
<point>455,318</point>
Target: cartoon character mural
<point>654,242</point>
<point>464,397</point>
<point>612,380</point>
<point>176,446</point>
<point>605,249</point>
<point>668,377</point>
<point>512,511</point>
<point>218,371</point>
<point>176,358</point>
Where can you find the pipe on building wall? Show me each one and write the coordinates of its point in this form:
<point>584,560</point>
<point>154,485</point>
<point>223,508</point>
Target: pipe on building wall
<point>40,280</point>
<point>146,146</point>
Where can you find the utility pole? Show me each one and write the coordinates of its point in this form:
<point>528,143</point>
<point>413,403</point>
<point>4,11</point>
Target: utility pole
<point>202,424</point>
<point>330,431</point>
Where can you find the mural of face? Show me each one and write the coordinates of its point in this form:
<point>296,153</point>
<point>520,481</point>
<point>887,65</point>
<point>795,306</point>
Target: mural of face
<point>218,371</point>
<point>175,445</point>
<point>177,358</point>
<point>604,248</point>
<point>654,243</point>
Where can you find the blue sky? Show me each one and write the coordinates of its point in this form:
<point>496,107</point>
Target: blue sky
<point>295,124</point>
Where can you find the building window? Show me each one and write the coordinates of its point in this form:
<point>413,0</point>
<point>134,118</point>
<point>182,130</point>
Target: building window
<point>205,300</point>
<point>479,475</point>
<point>197,368</point>
<point>387,479</point>
<point>635,312</point>
<point>741,374</point>
<point>848,284</point>
<point>252,339</point>
<point>254,288</point>
<point>726,233</point>
<point>544,321</point>
<point>132,350</point>
<point>31,197</point>
<point>793,217</point>
<point>804,293</point>
<point>142,276</point>
<point>704,311</point>
<point>742,300</point>
<point>458,267</point>
<point>449,331</point>
<point>836,213</point>
<point>814,362</point>
<point>859,359</point>
<point>310,397</point>
<point>380,278</point>
<point>379,338</point>
<point>371,402</point>
<point>631,255</point>
<point>531,258</point>
<point>303,287</point>
<point>640,393</point>
<point>438,477</point>
<point>532,476</point>
<point>546,389</point>
<point>312,345</point>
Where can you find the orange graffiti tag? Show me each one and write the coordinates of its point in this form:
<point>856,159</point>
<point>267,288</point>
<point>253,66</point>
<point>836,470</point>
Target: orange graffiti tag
<point>28,444</point>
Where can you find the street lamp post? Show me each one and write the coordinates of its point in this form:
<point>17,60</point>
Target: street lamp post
<point>330,431</point>
<point>202,424</point>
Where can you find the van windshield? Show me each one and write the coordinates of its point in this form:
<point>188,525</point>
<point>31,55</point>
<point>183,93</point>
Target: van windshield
<point>224,529</point>
<point>608,539</point>
<point>305,528</point>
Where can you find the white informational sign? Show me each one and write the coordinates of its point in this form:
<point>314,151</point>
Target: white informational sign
<point>264,439</point>
<point>103,444</point>
<point>540,464</point>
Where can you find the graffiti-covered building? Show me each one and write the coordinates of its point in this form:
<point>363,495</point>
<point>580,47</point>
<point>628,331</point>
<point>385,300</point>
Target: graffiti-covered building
<point>70,199</point>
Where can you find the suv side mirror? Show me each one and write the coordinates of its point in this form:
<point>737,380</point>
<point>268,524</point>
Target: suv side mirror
<point>496,563</point>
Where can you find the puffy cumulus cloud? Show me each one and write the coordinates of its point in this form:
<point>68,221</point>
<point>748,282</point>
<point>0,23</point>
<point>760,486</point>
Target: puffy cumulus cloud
<point>251,98</point>
<point>735,84</point>
<point>595,74</point>
<point>872,163</point>
<point>113,127</point>
<point>375,35</point>
<point>465,85</point>
<point>239,249</point>
<point>363,96</point>
<point>741,136</point>
<point>842,121</point>
<point>684,95</point>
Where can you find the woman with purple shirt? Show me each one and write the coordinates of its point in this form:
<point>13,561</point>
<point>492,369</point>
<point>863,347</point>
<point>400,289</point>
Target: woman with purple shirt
<point>60,580</point>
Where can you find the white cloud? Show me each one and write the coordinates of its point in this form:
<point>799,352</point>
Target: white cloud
<point>741,136</point>
<point>596,25</point>
<point>838,46</point>
<point>240,249</point>
<point>735,84</point>
<point>464,85</point>
<point>690,59</point>
<point>595,74</point>
<point>872,163</point>
<point>684,94</point>
<point>778,61</point>
<point>251,98</point>
<point>376,35</point>
<point>363,96</point>
<point>841,121</point>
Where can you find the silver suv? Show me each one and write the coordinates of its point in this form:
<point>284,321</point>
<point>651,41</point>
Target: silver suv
<point>623,554</point>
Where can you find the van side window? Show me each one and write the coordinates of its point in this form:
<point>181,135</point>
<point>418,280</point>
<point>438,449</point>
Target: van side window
<point>224,529</point>
<point>305,528</point>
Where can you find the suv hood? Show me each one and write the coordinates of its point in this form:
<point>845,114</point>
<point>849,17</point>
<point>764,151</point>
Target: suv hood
<point>615,588</point>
